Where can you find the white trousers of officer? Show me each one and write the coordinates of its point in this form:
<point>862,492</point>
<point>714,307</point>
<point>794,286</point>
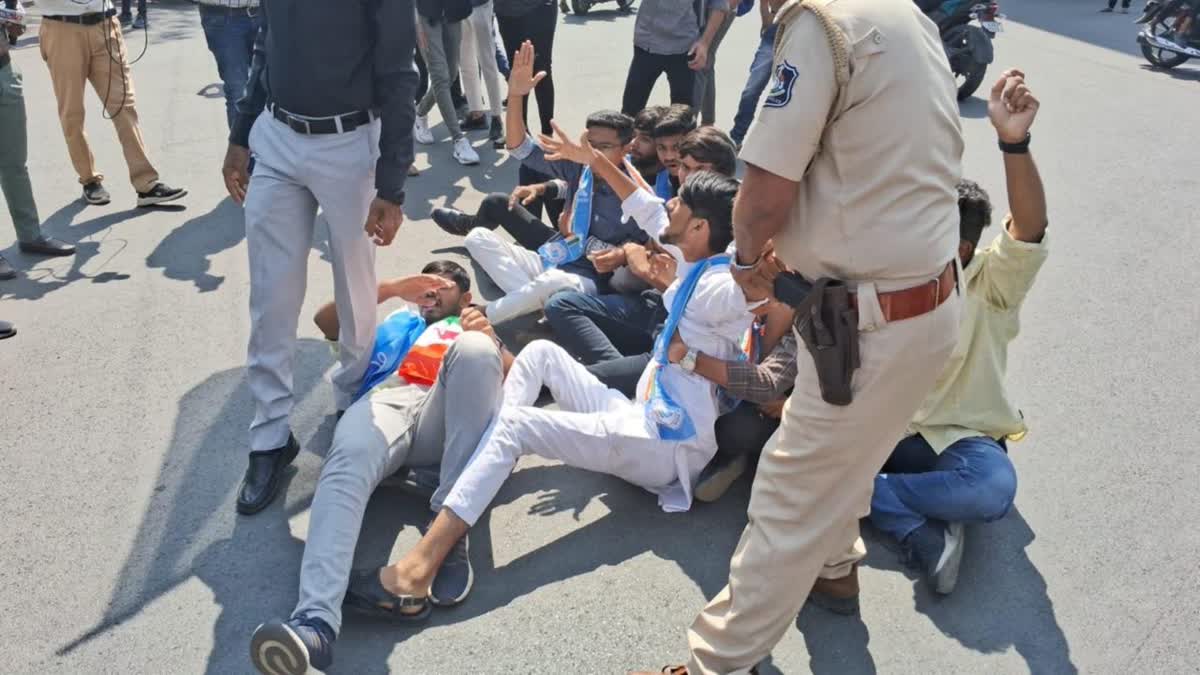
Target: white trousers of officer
<point>294,174</point>
<point>519,273</point>
<point>596,428</point>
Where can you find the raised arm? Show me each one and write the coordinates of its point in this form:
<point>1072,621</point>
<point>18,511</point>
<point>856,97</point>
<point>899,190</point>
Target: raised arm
<point>1012,108</point>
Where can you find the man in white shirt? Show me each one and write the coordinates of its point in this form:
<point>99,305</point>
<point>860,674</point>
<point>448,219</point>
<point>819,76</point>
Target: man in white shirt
<point>659,441</point>
<point>81,42</point>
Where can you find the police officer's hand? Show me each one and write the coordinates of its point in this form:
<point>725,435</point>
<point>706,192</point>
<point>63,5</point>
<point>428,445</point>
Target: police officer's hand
<point>236,171</point>
<point>1012,107</point>
<point>758,282</point>
<point>383,221</point>
<point>521,78</point>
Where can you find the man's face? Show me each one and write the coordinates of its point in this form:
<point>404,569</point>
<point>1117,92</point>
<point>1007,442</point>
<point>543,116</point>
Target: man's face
<point>685,231</point>
<point>607,142</point>
<point>668,152</point>
<point>688,166</point>
<point>443,303</point>
<point>645,155</point>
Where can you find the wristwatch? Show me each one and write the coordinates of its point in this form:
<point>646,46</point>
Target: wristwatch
<point>688,362</point>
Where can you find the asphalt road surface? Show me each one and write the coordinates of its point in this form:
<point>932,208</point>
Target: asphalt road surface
<point>124,412</point>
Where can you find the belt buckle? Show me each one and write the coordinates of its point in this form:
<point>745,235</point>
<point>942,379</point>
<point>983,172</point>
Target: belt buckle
<point>295,124</point>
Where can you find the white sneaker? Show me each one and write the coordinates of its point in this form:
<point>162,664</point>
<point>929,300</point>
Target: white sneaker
<point>421,132</point>
<point>464,153</point>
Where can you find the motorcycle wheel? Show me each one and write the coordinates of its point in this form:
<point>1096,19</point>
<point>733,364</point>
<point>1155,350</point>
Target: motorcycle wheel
<point>1161,58</point>
<point>972,78</point>
<point>580,7</point>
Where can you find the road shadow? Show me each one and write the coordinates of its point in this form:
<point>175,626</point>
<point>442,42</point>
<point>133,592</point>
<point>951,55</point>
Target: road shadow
<point>1000,602</point>
<point>1178,73</point>
<point>185,253</point>
<point>1079,20</point>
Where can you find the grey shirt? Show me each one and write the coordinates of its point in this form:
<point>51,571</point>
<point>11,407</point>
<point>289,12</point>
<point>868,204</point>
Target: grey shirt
<point>672,26</point>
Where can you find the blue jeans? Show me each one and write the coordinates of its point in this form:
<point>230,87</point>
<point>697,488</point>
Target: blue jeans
<point>230,36</point>
<point>600,328</point>
<point>760,75</point>
<point>973,480</point>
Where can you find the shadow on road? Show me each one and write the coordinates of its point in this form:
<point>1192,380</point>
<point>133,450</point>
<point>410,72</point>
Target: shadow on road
<point>185,253</point>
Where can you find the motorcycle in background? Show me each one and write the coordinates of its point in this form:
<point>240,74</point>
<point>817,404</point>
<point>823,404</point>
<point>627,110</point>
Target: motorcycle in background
<point>967,34</point>
<point>1170,37</point>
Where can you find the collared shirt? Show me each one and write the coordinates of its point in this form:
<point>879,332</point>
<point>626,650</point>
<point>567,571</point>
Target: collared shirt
<point>318,58</point>
<point>877,159</point>
<point>767,381</point>
<point>232,4</point>
<point>969,398</point>
<point>73,7</point>
<point>672,26</point>
<point>714,321</point>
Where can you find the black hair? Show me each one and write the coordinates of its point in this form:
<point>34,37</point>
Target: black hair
<point>677,120</point>
<point>646,120</point>
<point>611,119</point>
<point>974,210</point>
<point>710,145</point>
<point>710,195</point>
<point>452,271</point>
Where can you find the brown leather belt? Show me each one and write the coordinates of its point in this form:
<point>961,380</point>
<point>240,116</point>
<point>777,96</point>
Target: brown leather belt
<point>908,303</point>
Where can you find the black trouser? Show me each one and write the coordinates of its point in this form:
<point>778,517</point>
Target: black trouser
<point>141,7</point>
<point>643,73</point>
<point>1124,4</point>
<point>621,374</point>
<point>526,228</point>
<point>743,431</point>
<point>537,26</point>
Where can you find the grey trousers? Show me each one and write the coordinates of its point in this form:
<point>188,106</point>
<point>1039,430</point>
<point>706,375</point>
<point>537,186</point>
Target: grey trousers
<point>294,174</point>
<point>14,151</point>
<point>705,94</point>
<point>394,428</point>
<point>443,44</point>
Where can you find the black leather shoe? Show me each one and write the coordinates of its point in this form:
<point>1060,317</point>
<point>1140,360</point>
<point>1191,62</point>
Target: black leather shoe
<point>47,246</point>
<point>263,476</point>
<point>6,330</point>
<point>6,270</point>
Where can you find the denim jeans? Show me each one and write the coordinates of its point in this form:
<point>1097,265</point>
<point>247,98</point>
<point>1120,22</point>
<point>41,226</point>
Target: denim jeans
<point>973,480</point>
<point>230,36</point>
<point>599,328</point>
<point>760,75</point>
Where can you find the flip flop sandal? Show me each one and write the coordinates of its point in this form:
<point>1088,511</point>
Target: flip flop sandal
<point>366,595</point>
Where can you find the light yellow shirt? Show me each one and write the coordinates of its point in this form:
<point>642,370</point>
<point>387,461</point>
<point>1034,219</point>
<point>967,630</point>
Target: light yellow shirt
<point>969,397</point>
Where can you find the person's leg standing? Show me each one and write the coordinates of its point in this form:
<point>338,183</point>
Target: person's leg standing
<point>681,78</point>
<point>66,49</point>
<point>280,212</point>
<point>469,70</point>
<point>14,153</point>
<point>644,70</point>
<point>485,48</point>
<point>543,21</point>
<point>760,74</point>
<point>706,80</point>
<point>340,171</point>
<point>813,482</point>
<point>439,40</point>
<point>111,79</point>
<point>230,37</point>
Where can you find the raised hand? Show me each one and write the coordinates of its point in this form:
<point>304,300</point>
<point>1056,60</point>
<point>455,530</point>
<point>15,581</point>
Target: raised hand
<point>415,288</point>
<point>521,78</point>
<point>1012,107</point>
<point>561,148</point>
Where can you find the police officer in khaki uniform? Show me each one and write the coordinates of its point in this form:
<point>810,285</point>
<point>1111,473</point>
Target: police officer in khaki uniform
<point>851,172</point>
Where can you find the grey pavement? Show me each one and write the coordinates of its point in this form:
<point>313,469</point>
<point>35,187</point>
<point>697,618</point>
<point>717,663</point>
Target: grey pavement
<point>124,413</point>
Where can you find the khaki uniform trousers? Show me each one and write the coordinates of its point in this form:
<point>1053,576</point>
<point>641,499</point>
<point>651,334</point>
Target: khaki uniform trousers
<point>815,482</point>
<point>77,55</point>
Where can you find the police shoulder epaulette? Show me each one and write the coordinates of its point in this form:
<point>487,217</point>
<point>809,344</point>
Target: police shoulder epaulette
<point>838,44</point>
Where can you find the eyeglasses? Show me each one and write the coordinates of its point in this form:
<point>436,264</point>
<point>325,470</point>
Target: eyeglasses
<point>602,147</point>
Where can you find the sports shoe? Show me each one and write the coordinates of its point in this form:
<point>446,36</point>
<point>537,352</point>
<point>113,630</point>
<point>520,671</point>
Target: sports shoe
<point>716,478</point>
<point>464,153</point>
<point>453,221</point>
<point>161,193</point>
<point>455,577</point>
<point>496,134</point>
<point>291,647</point>
<point>140,22</point>
<point>94,193</point>
<point>937,551</point>
<point>421,132</point>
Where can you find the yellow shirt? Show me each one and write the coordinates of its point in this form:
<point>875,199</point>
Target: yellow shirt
<point>969,397</point>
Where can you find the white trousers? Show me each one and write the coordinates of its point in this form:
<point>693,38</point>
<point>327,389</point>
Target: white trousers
<point>294,174</point>
<point>597,429</point>
<point>519,273</point>
<point>477,52</point>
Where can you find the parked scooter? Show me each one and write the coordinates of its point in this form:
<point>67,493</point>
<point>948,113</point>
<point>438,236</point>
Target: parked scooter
<point>1171,35</point>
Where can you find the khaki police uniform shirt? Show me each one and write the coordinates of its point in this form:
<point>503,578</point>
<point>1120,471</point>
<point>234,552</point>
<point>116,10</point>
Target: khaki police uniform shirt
<point>877,198</point>
<point>969,398</point>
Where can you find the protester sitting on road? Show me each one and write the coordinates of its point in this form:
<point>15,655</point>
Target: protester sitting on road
<point>660,441</point>
<point>706,149</point>
<point>434,387</point>
<point>595,220</point>
<point>644,154</point>
<point>955,468</point>
<point>678,121</point>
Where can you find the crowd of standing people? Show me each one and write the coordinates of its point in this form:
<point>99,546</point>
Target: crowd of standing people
<point>832,321</point>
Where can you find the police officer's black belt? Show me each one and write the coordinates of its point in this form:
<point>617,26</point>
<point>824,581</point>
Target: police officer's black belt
<point>338,124</point>
<point>90,19</point>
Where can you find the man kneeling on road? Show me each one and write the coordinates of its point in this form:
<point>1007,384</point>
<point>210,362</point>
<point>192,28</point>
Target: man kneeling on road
<point>433,387</point>
<point>660,441</point>
<point>955,468</point>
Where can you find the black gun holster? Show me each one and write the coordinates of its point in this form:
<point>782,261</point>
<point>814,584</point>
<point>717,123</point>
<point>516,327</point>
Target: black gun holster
<point>828,325</point>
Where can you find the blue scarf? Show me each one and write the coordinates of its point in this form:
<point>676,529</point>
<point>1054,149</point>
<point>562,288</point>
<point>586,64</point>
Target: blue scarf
<point>674,423</point>
<point>662,185</point>
<point>393,339</point>
<point>558,252</point>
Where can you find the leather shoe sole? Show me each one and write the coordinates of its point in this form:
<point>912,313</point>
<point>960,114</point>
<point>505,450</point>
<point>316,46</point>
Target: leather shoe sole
<point>283,457</point>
